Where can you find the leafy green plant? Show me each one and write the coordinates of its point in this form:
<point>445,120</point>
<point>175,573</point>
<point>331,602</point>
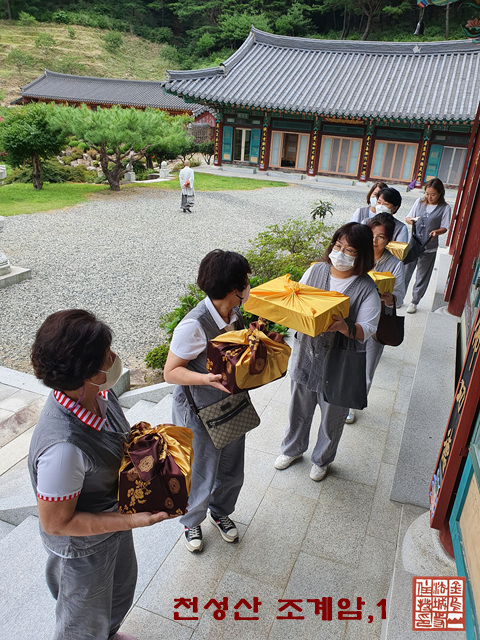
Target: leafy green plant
<point>53,172</point>
<point>71,33</point>
<point>288,248</point>
<point>20,59</point>
<point>44,42</point>
<point>26,19</point>
<point>321,208</point>
<point>156,358</point>
<point>207,150</point>
<point>113,41</point>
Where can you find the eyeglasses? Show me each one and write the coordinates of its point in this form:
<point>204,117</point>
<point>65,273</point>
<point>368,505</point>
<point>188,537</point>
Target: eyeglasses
<point>348,250</point>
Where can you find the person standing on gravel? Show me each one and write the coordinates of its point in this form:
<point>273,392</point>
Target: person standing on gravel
<point>187,178</point>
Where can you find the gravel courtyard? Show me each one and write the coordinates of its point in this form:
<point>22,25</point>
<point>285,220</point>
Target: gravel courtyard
<point>127,256</point>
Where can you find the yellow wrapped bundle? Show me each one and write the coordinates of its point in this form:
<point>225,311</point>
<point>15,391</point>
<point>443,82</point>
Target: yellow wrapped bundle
<point>384,280</point>
<point>398,249</point>
<point>297,306</point>
<point>248,358</point>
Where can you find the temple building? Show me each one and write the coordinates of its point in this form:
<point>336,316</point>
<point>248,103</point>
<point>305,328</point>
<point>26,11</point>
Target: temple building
<point>398,112</point>
<point>63,88</point>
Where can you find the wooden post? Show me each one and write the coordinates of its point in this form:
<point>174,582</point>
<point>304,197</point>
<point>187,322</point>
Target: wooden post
<point>422,157</point>
<point>366,153</point>
<point>314,149</point>
<point>217,149</point>
<point>265,143</point>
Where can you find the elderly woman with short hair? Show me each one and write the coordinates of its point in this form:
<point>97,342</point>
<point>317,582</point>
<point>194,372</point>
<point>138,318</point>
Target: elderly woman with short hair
<point>74,460</point>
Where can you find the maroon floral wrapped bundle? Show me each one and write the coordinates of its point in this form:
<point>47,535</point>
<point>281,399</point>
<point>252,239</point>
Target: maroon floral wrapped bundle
<point>156,470</point>
<point>248,358</point>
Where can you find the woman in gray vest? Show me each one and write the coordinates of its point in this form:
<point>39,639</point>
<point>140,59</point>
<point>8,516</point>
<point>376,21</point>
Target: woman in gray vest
<point>432,217</point>
<point>217,474</point>
<point>74,459</point>
<point>363,213</point>
<point>346,264</point>
<point>382,226</point>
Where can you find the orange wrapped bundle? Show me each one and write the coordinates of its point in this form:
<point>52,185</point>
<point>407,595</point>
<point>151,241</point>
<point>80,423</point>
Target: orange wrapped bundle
<point>156,469</point>
<point>384,280</point>
<point>398,249</point>
<point>297,306</point>
<point>248,358</point>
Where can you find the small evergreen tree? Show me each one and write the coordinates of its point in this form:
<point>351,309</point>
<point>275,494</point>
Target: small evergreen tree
<point>121,135</point>
<point>29,134</point>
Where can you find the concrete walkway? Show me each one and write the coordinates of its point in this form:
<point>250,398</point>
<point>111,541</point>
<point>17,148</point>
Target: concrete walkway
<point>299,540</point>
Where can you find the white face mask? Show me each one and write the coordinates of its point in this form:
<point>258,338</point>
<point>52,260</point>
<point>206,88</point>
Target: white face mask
<point>381,208</point>
<point>113,374</point>
<point>373,201</point>
<point>341,261</point>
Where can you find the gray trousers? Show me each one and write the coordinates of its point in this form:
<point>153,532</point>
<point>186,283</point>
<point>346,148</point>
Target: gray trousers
<point>217,474</point>
<point>303,403</point>
<point>94,592</point>
<point>374,352</point>
<point>424,265</point>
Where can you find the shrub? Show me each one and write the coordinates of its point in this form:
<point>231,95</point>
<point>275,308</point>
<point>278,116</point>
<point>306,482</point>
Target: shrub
<point>26,20</point>
<point>61,17</point>
<point>207,149</point>
<point>113,41</point>
<point>156,358</point>
<point>288,248</point>
<point>71,33</point>
<point>19,59</point>
<point>45,42</point>
<point>163,34</point>
<point>53,171</point>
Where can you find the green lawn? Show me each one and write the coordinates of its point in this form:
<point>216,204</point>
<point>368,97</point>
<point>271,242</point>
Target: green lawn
<point>22,198</point>
<point>209,182</point>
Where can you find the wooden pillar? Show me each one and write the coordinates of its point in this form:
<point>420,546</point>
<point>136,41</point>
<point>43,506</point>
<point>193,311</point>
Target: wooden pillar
<point>314,149</point>
<point>421,163</point>
<point>265,143</point>
<point>217,149</point>
<point>366,153</point>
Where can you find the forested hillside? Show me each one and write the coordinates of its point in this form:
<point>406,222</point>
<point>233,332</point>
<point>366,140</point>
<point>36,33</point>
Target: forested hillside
<point>102,37</point>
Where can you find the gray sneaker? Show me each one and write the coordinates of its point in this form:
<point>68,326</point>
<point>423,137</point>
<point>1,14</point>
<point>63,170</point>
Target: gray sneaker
<point>193,538</point>
<point>350,419</point>
<point>318,473</point>
<point>412,308</point>
<point>227,527</point>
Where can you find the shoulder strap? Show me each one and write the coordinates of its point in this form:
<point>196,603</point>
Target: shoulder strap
<point>193,406</point>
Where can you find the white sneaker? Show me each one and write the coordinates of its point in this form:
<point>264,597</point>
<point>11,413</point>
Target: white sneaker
<point>350,419</point>
<point>283,461</point>
<point>318,473</point>
<point>412,308</point>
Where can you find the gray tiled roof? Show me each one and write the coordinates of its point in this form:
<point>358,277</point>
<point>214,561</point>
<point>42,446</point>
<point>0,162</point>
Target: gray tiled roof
<point>436,81</point>
<point>136,93</point>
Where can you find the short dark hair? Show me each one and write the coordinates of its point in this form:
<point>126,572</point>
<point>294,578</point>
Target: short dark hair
<point>69,348</point>
<point>437,184</point>
<point>384,220</point>
<point>376,185</point>
<point>222,271</point>
<point>392,196</point>
<point>360,237</point>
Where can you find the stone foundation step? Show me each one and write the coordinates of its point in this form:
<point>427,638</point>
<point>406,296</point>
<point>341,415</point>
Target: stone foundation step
<point>22,380</point>
<point>151,412</point>
<point>152,393</point>
<point>17,498</point>
<point>22,580</point>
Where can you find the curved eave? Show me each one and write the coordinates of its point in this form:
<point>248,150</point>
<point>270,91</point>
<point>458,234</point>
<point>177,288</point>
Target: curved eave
<point>109,102</point>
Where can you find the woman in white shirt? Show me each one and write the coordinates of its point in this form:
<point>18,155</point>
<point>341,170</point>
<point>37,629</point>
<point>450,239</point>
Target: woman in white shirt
<point>347,261</point>
<point>217,474</point>
<point>432,217</point>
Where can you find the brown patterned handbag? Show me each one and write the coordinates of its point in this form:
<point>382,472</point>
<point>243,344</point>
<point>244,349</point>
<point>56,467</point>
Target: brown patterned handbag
<point>156,470</point>
<point>227,419</point>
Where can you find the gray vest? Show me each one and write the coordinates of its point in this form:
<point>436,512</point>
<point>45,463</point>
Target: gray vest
<point>204,395</point>
<point>429,222</point>
<point>306,362</point>
<point>104,450</point>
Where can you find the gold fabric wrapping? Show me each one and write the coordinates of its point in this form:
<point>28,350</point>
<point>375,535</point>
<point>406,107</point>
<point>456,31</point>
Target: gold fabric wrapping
<point>398,249</point>
<point>384,280</point>
<point>297,306</point>
<point>276,361</point>
<point>179,442</point>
